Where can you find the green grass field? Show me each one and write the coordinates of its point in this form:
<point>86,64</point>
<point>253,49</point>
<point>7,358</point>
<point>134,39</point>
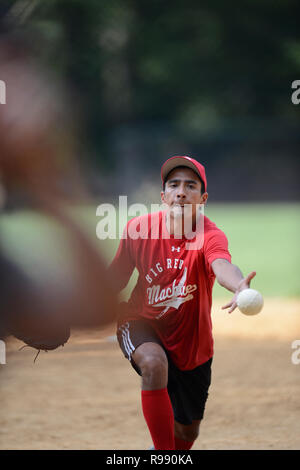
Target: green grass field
<point>262,237</point>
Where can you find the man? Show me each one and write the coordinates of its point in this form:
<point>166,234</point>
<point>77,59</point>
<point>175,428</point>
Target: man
<point>165,328</point>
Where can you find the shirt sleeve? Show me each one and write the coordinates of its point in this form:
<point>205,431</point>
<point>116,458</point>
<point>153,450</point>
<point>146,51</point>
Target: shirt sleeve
<point>123,263</point>
<point>216,246</point>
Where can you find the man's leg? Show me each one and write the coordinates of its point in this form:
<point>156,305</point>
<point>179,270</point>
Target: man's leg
<point>157,408</point>
<point>185,435</point>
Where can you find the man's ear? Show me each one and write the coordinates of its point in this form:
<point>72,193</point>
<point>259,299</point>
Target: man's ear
<point>204,198</point>
<point>162,196</point>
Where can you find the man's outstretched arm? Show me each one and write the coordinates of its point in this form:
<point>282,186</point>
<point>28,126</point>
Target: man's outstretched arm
<point>230,276</point>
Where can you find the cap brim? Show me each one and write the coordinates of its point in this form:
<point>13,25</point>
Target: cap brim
<point>174,163</point>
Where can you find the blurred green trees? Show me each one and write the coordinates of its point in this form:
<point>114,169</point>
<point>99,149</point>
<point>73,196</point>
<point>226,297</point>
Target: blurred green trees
<point>208,72</point>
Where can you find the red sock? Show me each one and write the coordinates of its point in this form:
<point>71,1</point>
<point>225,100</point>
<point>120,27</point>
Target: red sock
<point>158,413</point>
<point>182,445</point>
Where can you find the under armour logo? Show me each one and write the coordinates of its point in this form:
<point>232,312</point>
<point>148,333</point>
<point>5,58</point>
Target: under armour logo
<point>174,248</point>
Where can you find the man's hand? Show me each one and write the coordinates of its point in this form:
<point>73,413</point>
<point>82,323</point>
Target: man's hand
<point>243,284</point>
<point>230,276</point>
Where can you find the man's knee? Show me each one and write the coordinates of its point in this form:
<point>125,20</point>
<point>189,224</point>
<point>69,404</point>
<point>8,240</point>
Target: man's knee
<point>153,364</point>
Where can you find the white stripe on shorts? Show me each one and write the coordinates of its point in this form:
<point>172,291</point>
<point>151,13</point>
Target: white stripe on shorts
<point>129,348</point>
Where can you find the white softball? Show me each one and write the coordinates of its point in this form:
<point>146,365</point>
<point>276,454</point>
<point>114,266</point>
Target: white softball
<point>250,301</point>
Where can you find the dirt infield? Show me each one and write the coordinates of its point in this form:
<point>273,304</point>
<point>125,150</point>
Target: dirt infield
<point>86,396</point>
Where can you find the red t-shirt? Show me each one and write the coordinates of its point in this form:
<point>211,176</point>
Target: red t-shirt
<point>174,287</point>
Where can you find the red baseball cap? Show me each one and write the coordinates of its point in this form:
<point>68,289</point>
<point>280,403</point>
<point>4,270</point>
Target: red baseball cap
<point>189,162</point>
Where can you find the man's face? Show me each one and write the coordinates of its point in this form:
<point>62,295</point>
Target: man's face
<point>183,188</point>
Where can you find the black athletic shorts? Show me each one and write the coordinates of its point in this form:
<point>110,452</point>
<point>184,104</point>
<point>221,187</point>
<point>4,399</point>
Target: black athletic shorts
<point>188,389</point>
